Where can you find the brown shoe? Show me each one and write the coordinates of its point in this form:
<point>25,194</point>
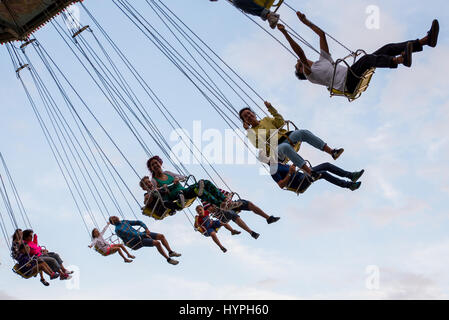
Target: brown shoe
<point>407,55</point>
<point>432,35</point>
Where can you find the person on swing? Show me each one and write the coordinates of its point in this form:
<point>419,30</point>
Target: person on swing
<point>287,176</point>
<point>258,130</point>
<point>322,71</point>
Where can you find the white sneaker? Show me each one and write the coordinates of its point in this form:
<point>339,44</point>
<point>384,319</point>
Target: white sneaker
<point>273,19</point>
<point>200,188</point>
<point>182,200</point>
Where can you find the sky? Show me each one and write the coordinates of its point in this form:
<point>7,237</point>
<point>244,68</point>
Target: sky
<point>330,243</point>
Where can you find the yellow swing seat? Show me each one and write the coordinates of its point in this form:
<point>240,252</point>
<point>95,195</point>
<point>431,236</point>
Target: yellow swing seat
<point>362,85</point>
<point>27,275</point>
<point>202,229</point>
<point>158,211</point>
<point>300,190</point>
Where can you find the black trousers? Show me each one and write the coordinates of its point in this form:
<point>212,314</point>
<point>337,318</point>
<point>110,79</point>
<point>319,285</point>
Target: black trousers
<point>382,58</point>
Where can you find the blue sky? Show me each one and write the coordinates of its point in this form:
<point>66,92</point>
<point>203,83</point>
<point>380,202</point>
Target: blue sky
<point>327,237</point>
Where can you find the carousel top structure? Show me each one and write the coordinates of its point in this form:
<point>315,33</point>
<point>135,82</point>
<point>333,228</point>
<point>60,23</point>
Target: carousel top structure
<point>20,18</point>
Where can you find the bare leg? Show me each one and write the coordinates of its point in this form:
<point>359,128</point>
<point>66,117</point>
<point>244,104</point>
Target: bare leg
<point>228,227</point>
<point>164,241</point>
<point>121,246</point>
<point>257,210</point>
<point>243,225</point>
<point>159,248</point>
<point>215,238</point>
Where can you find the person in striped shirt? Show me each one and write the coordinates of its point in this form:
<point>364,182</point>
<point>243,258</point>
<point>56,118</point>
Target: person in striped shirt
<point>135,239</point>
<point>246,206</point>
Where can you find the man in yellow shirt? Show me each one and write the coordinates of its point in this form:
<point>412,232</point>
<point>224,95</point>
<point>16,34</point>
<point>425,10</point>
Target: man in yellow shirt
<point>269,134</point>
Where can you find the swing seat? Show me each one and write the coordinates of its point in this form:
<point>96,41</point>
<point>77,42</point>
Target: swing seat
<point>268,4</point>
<point>28,275</point>
<point>201,229</point>
<point>100,252</point>
<point>361,87</point>
<point>158,211</point>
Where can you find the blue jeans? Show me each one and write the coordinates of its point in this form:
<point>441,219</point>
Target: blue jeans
<point>285,150</point>
<point>252,8</point>
<point>327,167</point>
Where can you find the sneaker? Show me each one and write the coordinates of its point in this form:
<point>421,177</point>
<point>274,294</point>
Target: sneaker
<point>172,261</point>
<point>182,200</point>
<point>356,175</point>
<point>128,261</point>
<point>200,188</point>
<point>131,256</point>
<point>432,35</point>
<point>354,186</point>
<point>44,282</point>
<point>273,19</point>
<point>174,254</point>
<point>65,276</point>
<point>336,153</point>
<point>255,235</point>
<point>68,272</point>
<point>407,55</point>
<point>55,275</point>
<point>235,232</point>
<point>272,219</point>
<point>224,249</point>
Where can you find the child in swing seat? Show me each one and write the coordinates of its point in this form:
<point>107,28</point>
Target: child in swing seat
<point>106,248</point>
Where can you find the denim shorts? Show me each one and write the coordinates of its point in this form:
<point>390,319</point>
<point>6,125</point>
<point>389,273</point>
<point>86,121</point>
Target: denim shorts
<point>144,242</point>
<point>211,227</point>
<point>244,206</point>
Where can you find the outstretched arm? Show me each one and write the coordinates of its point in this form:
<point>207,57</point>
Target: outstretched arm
<point>295,46</point>
<point>323,41</point>
<point>284,182</point>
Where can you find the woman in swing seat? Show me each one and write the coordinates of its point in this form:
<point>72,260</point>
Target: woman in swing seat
<point>283,140</point>
<point>28,265</point>
<point>106,248</point>
<point>252,8</point>
<point>322,71</point>
<point>203,189</point>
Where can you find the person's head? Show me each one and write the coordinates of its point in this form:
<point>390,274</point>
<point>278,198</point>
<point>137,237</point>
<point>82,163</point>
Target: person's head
<point>17,236</point>
<point>146,184</point>
<point>200,210</point>
<point>154,164</point>
<point>248,117</point>
<point>95,233</point>
<point>27,235</point>
<point>299,70</point>
<point>114,220</point>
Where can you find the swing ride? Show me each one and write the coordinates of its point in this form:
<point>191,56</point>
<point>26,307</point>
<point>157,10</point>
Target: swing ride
<point>82,145</point>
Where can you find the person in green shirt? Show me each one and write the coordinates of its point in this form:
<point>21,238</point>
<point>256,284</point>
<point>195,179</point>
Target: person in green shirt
<point>175,191</point>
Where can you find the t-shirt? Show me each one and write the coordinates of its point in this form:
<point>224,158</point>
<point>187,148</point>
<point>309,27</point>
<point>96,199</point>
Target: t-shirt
<point>202,220</point>
<point>282,172</point>
<point>322,72</point>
